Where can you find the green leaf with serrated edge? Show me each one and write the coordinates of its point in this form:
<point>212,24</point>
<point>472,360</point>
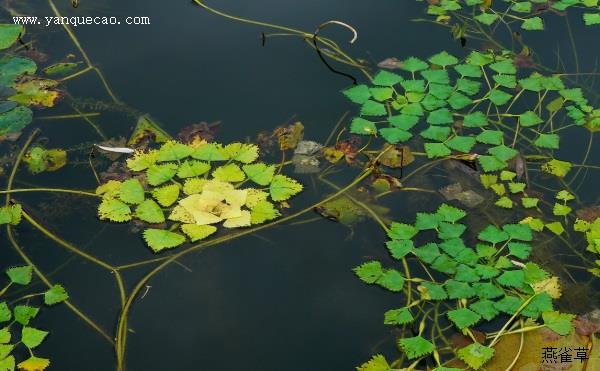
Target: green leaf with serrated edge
<point>260,173</point>
<point>413,64</point>
<point>159,239</point>
<point>493,234</point>
<point>192,168</point>
<point>56,294</point>
<point>114,210</point>
<point>505,66</point>
<point>229,173</point>
<point>440,133</point>
<point>463,317</point>
<point>487,290</point>
<point>440,91</point>
<point>503,263</point>
<point>372,108</point>
<point>404,121</point>
<point>516,187</point>
<point>514,278</point>
<point>448,230</point>
<point>503,152</point>
<point>262,212</point>
<point>561,210</point>
<point>398,317</point>
<point>565,195</point>
<point>358,94</point>
<point>444,264</point>
<point>468,70</point>
<point>282,188</point>
<point>436,76</point>
<point>581,225</point>
<point>142,160</point>
<point>467,256</point>
<point>485,271</point>
<point>11,214</point>
<point>401,231</point>
<point>382,94</point>
<point>541,302</point>
<point>34,363</point>
<point>198,232</point>
<point>32,337</point>
<point>485,308</point>
<point>485,250</point>
<point>533,273</point>
<point>167,195</point>
<point>432,291</point>
<point>416,86</point>
<point>427,253</point>
<point>507,175</point>
<point>459,290</point>
<point>458,100</point>
<point>453,246</point>
<point>475,120</point>
<point>461,144</point>
<point>440,116</point>
<point>362,127</point>
<point>24,313</point>
<point>391,280</point>
<point>491,163</point>
<point>450,214</point>
<point>427,221</point>
<point>475,355</point>
<point>131,191</point>
<point>591,19</point>
<point>399,248</point>
<point>466,274</point>
<point>529,202</point>
<point>468,86</point>
<point>415,347</point>
<point>498,189</point>
<point>493,137</point>
<point>149,211</point>
<point>386,78</point>
<point>242,152</point>
<point>499,97</point>
<point>158,174</point>
<point>431,103</point>
<point>529,118</point>
<point>20,275</point>
<point>210,152</point>
<point>443,59</point>
<point>376,363</point>
<point>520,232</point>
<point>521,7</point>
<point>486,18</point>
<point>507,81</point>
<point>550,141</point>
<point>395,135</point>
<point>369,272</point>
<point>5,313</point>
<point>557,167</point>
<point>534,23</point>
<point>434,150</point>
<point>173,151</point>
<point>519,250</point>
<point>5,336</point>
<point>561,323</point>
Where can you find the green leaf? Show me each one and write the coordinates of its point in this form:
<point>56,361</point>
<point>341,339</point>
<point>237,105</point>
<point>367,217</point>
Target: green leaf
<point>485,308</point>
<point>436,76</point>
<point>450,214</point>
<point>260,173</point>
<point>529,118</point>
<point>56,294</point>
<point>20,275</point>
<point>427,221</point>
<point>192,168</point>
<point>173,151</point>
<point>591,19</point>
<point>210,152</point>
<point>542,302</point>
<point>401,231</point>
<point>32,337</point>
<point>521,232</point>
<point>439,133</point>
<point>114,210</point>
<point>392,280</point>
<point>453,246</point>
<point>282,188</point>
<point>369,272</point>
<point>197,232</point>
<point>503,152</point>
<point>413,64</point>
<point>376,363</point>
<point>529,202</point>
<point>372,108</point>
<point>160,239</point>
<point>382,94</point>
<point>386,78</point>
<point>434,150</point>
<point>149,211</point>
<point>142,160</point>
<point>561,210</point>
<point>516,187</point>
<point>466,274</point>
<point>486,18</point>
<point>441,116</point>
<point>534,23</point>
<point>242,152</point>
<point>505,66</point>
<point>514,278</point>
<point>440,91</point>
<point>467,86</point>
<point>444,264</point>
<point>131,191</point>
<point>415,86</point>
<point>448,231</point>
<point>491,163</point>
<point>398,317</point>
<point>5,313</point>
<point>493,234</point>
<point>557,168</point>
<point>24,313</point>
<point>415,347</point>
<point>504,202</point>
<point>229,173</point>
<point>565,195</point>
<point>520,250</point>
<point>487,290</point>
<point>263,211</point>
<point>443,59</point>
<point>15,120</point>
<point>5,336</point>
<point>475,119</point>
<point>550,141</point>
<point>432,291</point>
<point>498,97</point>
<point>11,214</point>
<point>463,317</point>
<point>167,195</point>
<point>493,137</point>
<point>522,7</point>
<point>395,135</point>
<point>362,127</point>
<point>458,100</point>
<point>427,253</point>
<point>9,33</point>
<point>158,174</point>
<point>461,144</point>
<point>475,355</point>
<point>399,248</point>
<point>486,271</point>
<point>468,70</point>
<point>459,290</point>
<point>404,121</point>
<point>561,323</point>
<point>358,94</point>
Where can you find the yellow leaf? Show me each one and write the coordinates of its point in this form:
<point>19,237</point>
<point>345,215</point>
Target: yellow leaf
<point>180,214</point>
<point>204,217</point>
<point>241,221</point>
<point>255,196</point>
<point>217,186</point>
<point>34,364</point>
<point>236,197</point>
<point>551,286</point>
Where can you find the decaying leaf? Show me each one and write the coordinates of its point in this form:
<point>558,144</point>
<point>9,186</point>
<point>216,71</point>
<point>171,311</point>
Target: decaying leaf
<point>289,136</point>
<point>36,92</point>
<point>146,130</point>
<point>198,132</point>
<point>39,159</point>
<point>589,214</point>
<point>396,156</point>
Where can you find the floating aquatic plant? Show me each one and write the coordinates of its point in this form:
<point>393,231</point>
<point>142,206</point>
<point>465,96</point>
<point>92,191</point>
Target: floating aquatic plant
<point>196,187</point>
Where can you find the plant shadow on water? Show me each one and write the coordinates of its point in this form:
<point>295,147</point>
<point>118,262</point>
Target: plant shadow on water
<point>457,176</point>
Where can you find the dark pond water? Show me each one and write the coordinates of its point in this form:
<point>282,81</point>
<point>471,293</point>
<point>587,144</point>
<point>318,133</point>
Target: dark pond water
<point>282,299</point>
